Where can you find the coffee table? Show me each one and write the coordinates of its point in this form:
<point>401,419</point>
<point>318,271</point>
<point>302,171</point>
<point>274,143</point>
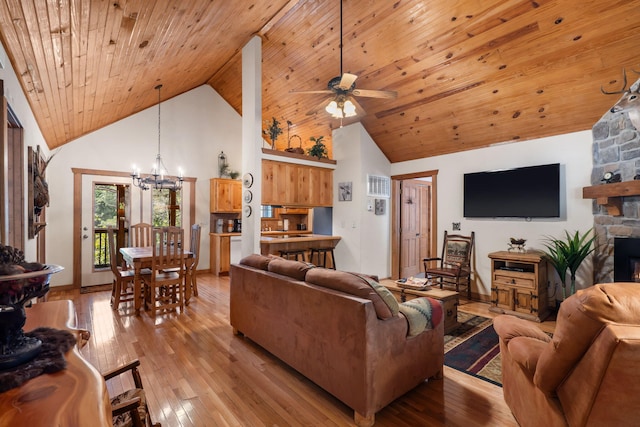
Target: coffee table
<point>449,300</point>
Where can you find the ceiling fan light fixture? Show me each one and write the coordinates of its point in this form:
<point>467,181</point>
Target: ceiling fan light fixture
<point>349,109</point>
<point>333,109</point>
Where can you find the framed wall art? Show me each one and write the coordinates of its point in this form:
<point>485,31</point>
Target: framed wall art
<point>344,191</point>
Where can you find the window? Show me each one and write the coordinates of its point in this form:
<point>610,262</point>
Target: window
<point>266,211</point>
<point>166,208</point>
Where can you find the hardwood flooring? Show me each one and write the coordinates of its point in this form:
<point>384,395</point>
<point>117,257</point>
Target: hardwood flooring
<point>197,373</point>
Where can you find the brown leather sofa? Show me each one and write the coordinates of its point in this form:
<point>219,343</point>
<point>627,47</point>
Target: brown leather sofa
<point>588,374</point>
<point>335,329</point>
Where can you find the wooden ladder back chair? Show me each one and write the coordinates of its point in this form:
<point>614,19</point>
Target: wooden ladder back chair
<point>194,247</point>
<point>164,287</point>
<point>141,235</point>
<point>122,289</point>
<point>130,408</point>
<point>455,263</point>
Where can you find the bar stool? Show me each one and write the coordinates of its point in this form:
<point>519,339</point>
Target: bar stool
<point>294,254</point>
<point>323,251</point>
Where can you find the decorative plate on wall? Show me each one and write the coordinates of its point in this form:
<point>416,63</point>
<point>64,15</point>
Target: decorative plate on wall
<point>247,180</point>
<point>248,196</point>
<point>247,211</point>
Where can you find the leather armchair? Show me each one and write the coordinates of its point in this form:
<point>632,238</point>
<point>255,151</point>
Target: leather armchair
<point>588,374</point>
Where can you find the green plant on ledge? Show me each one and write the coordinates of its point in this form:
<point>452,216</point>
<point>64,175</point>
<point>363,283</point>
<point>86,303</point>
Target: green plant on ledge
<point>273,130</point>
<point>567,254</point>
<point>318,149</point>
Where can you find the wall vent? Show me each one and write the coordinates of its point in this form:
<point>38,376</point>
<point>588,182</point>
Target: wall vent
<point>378,186</point>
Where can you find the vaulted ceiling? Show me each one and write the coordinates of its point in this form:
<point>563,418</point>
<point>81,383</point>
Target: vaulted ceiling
<point>468,73</point>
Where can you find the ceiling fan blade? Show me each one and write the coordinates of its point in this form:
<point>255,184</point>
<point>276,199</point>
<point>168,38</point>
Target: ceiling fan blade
<point>359,110</point>
<point>320,106</point>
<point>311,91</point>
<point>347,81</point>
<point>389,94</point>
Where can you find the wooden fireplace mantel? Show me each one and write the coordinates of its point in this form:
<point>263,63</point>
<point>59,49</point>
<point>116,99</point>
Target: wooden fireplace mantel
<point>610,195</point>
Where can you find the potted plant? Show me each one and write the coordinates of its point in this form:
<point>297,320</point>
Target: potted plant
<point>318,149</point>
<point>273,130</point>
<point>567,254</point>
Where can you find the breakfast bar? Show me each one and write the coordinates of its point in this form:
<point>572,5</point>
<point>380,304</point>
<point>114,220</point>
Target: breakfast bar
<point>295,242</point>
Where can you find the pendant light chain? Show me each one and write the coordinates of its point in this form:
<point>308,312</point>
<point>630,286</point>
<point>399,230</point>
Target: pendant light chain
<point>159,103</point>
<point>340,37</point>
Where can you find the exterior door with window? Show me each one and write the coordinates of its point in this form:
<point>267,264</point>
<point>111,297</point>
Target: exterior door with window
<point>105,202</point>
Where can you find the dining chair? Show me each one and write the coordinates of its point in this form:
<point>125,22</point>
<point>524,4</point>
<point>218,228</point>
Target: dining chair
<point>194,247</point>
<point>141,234</point>
<point>122,289</point>
<point>164,287</point>
<point>130,408</point>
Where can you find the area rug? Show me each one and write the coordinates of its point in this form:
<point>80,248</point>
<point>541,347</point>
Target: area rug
<point>473,348</point>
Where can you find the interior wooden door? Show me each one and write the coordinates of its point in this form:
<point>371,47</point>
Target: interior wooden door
<point>415,225</point>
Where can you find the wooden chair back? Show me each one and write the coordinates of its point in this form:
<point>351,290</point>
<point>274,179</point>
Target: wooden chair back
<point>167,250</point>
<point>194,245</point>
<point>141,234</point>
<point>456,250</point>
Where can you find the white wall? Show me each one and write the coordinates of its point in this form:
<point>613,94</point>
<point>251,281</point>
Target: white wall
<point>32,135</point>
<point>365,244</point>
<point>195,127</point>
<point>572,151</point>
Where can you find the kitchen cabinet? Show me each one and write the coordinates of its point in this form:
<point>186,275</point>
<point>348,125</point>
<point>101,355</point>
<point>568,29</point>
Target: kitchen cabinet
<point>519,284</point>
<point>226,195</point>
<point>220,253</point>
<point>292,184</point>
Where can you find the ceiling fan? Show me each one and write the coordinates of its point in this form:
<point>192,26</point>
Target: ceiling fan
<point>342,102</point>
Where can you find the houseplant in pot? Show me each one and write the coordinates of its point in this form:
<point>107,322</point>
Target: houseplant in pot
<point>567,253</point>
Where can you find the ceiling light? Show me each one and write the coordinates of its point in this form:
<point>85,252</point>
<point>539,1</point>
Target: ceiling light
<point>159,177</point>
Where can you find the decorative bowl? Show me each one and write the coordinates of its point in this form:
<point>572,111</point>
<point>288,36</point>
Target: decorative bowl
<point>15,291</point>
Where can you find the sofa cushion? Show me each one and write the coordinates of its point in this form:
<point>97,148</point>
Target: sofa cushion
<point>384,302</point>
<point>422,314</point>
<point>260,262</point>
<point>294,269</point>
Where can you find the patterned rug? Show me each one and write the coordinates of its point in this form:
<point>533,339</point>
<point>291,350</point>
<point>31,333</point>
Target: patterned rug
<point>473,348</point>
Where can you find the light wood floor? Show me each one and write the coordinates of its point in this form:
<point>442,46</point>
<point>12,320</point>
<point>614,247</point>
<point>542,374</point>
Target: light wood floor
<point>197,373</point>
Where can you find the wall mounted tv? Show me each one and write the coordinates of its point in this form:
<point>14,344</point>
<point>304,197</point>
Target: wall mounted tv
<point>526,192</point>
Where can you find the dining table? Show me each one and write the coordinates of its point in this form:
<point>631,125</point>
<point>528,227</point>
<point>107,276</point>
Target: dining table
<point>141,257</point>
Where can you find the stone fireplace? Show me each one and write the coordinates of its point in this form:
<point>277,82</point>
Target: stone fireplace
<point>616,148</point>
<point>626,259</point>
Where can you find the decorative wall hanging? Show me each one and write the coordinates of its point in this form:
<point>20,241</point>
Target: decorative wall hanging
<point>344,191</point>
<point>38,190</point>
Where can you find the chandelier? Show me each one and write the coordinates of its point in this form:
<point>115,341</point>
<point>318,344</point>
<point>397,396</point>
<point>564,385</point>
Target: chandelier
<point>159,177</point>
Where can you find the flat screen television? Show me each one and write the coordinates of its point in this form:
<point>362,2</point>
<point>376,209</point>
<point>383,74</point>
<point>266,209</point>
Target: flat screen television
<point>526,192</point>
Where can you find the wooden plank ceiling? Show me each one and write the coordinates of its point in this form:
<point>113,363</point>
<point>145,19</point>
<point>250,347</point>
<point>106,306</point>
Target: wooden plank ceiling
<point>468,73</point>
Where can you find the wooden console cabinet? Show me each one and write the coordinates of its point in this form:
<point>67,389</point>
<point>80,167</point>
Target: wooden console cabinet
<point>519,284</point>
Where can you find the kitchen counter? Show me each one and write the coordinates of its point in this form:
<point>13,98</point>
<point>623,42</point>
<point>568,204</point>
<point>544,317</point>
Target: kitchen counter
<point>294,240</point>
<point>225,234</point>
<point>282,232</point>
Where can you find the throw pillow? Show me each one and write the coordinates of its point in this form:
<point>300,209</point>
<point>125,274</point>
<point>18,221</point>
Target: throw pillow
<point>422,314</point>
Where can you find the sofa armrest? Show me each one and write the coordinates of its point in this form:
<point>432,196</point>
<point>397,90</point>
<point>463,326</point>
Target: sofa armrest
<point>509,327</point>
<point>526,351</point>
